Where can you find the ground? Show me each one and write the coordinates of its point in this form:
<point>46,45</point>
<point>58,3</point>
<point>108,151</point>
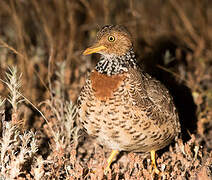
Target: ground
<point>43,70</point>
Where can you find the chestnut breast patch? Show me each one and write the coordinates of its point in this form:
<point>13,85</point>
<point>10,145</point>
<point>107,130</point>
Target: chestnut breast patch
<point>104,85</point>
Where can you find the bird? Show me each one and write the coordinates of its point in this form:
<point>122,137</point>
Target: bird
<point>122,106</point>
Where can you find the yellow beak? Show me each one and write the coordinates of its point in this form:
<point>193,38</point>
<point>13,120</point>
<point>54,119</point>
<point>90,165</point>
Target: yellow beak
<point>93,49</point>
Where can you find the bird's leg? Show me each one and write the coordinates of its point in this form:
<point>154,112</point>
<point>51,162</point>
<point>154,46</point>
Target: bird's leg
<point>156,170</point>
<point>110,160</point>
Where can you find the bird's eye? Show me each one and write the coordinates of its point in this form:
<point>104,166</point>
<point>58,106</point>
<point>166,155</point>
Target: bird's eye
<point>111,38</point>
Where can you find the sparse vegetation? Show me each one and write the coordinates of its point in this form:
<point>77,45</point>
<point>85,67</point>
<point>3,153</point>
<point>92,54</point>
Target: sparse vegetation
<point>42,72</point>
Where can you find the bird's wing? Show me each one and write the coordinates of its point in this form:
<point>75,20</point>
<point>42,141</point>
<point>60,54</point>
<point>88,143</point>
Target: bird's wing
<point>151,96</point>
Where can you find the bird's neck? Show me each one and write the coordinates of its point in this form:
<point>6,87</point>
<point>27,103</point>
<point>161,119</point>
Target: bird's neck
<point>112,65</point>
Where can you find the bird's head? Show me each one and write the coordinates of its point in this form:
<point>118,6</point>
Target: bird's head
<point>112,40</point>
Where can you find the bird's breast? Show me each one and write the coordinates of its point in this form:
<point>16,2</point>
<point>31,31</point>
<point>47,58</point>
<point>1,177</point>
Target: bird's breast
<point>104,86</point>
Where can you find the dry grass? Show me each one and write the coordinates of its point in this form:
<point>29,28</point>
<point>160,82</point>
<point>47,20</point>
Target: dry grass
<point>42,41</point>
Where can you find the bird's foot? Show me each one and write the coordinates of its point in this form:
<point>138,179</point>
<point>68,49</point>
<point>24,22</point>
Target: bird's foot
<point>107,169</point>
<point>154,166</point>
<point>110,160</point>
<point>155,170</point>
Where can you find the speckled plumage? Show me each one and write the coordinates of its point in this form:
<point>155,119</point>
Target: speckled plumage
<point>121,105</point>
